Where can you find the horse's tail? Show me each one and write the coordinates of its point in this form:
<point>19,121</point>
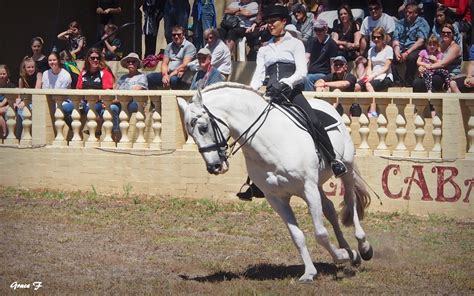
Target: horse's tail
<point>362,199</point>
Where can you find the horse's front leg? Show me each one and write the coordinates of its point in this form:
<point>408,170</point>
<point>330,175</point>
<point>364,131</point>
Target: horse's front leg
<point>282,207</point>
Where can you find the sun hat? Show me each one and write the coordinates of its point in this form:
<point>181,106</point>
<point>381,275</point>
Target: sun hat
<point>320,24</point>
<point>204,51</point>
<point>133,56</point>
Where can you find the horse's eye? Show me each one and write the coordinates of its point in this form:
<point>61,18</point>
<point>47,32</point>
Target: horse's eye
<point>193,122</point>
<point>203,129</point>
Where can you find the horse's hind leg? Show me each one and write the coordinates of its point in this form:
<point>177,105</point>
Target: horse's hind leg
<point>331,214</point>
<point>355,193</point>
<point>282,207</point>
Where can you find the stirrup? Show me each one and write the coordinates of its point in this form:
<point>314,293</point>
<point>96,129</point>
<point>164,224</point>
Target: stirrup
<point>247,194</point>
<point>338,168</point>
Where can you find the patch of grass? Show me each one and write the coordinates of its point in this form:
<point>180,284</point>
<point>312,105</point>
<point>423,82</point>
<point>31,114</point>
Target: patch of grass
<point>127,190</point>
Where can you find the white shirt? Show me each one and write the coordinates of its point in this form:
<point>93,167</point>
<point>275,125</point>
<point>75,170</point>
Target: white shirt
<point>378,61</point>
<point>289,50</point>
<point>369,24</point>
<point>60,81</point>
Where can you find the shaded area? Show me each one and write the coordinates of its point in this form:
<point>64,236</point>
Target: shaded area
<point>263,272</point>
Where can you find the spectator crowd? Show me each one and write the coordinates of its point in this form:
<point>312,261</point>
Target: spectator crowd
<point>352,46</point>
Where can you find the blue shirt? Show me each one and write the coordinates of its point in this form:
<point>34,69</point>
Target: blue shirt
<point>202,79</point>
<point>407,35</point>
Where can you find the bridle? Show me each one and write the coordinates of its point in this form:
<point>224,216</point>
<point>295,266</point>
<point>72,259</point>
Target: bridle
<point>220,142</point>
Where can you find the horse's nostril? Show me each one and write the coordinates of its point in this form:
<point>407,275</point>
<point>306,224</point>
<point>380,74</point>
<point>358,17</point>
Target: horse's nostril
<point>217,166</point>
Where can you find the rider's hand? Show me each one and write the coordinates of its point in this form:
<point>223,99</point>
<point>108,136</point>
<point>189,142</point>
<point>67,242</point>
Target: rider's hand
<point>279,92</point>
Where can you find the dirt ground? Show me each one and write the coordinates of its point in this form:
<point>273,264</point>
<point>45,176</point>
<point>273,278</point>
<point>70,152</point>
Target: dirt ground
<point>86,243</point>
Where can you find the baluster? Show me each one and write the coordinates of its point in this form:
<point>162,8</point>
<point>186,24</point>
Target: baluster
<point>436,151</point>
<point>26,139</point>
<point>470,131</point>
<point>92,127</point>
<point>347,122</point>
<point>11,122</point>
<point>140,142</point>
<point>382,131</point>
<point>156,125</point>
<point>124,124</point>
<point>419,150</point>
<point>346,104</point>
<point>76,124</point>
<point>107,125</point>
<point>59,123</point>
<point>364,148</point>
<point>401,132</point>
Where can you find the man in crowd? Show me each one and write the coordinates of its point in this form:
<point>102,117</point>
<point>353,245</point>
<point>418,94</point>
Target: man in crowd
<point>339,79</point>
<point>207,74</point>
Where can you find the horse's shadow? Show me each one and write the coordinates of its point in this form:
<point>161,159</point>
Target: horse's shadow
<point>264,271</point>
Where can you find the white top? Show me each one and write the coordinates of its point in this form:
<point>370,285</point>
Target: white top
<point>60,81</point>
<point>369,24</point>
<point>289,50</point>
<point>378,61</point>
<point>252,7</point>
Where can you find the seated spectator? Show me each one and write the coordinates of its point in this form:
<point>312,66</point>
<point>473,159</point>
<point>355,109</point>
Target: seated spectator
<point>177,56</point>
<point>379,72</point>
<point>409,38</point>
<point>346,33</point>
<point>445,16</point>
<point>76,41</point>
<point>207,74</point>
<point>338,80</point>
<point>377,18</point>
<point>30,77</point>
<point>303,22</point>
<point>204,18</point>
<point>239,17</point>
<point>4,83</point>
<point>428,57</point>
<point>134,80</point>
<point>40,59</point>
<point>320,50</point>
<point>95,75</point>
<point>112,44</point>
<point>451,61</point>
<point>427,7</point>
<point>465,84</point>
<point>58,78</point>
<point>220,54</point>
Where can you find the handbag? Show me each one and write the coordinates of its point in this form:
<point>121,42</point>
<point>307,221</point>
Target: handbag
<point>230,22</point>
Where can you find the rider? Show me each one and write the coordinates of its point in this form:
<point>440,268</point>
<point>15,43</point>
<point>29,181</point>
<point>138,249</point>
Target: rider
<point>283,61</point>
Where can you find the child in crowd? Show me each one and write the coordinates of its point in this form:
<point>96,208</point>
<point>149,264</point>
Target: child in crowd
<point>4,83</point>
<point>112,44</point>
<point>429,56</point>
<point>70,65</point>
<point>30,77</point>
<point>40,59</point>
<point>77,41</point>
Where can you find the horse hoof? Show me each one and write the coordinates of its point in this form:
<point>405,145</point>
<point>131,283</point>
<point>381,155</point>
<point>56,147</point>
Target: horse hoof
<point>367,255</point>
<point>356,262</point>
<point>306,281</point>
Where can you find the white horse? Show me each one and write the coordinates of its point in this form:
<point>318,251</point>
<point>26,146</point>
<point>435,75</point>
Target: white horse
<point>282,161</point>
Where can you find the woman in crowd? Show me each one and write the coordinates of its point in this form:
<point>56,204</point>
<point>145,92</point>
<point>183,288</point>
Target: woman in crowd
<point>346,33</point>
<point>4,83</point>
<point>58,78</point>
<point>451,61</point>
<point>379,71</point>
<point>445,16</point>
<point>76,41</point>
<point>426,58</point>
<point>30,77</point>
<point>463,83</point>
<point>134,80</point>
<point>40,59</point>
<point>95,75</point>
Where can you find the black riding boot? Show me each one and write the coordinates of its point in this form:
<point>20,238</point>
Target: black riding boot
<point>252,191</point>
<point>322,137</point>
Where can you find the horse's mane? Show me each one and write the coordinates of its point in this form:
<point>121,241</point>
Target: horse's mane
<point>220,85</point>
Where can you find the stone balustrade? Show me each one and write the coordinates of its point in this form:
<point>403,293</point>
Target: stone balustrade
<point>404,128</point>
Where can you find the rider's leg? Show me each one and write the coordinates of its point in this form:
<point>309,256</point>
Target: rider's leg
<point>324,142</point>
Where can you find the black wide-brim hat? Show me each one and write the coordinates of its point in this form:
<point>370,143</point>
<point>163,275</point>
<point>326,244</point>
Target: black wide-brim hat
<point>276,11</point>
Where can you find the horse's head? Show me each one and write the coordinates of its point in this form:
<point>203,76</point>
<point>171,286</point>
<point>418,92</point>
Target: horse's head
<point>209,133</point>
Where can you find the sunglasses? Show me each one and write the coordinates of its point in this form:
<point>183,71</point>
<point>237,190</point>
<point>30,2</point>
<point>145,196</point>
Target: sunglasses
<point>177,34</point>
<point>272,21</point>
<point>338,65</point>
<point>131,62</point>
<point>94,58</point>
<point>446,32</point>
<point>377,37</point>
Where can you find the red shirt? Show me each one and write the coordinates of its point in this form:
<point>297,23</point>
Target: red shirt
<point>463,10</point>
<point>104,79</point>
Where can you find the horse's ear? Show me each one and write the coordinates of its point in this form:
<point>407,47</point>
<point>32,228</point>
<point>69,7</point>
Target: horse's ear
<point>183,105</point>
<point>197,100</point>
